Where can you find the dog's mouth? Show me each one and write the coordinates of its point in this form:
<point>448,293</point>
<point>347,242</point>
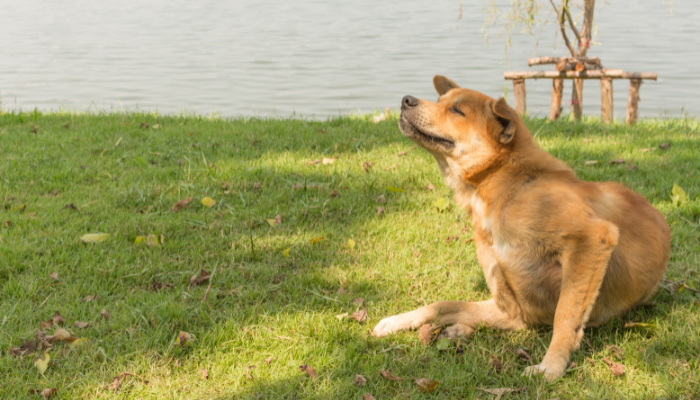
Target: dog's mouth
<point>416,133</point>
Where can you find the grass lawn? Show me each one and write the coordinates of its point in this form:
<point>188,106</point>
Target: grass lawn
<point>271,303</point>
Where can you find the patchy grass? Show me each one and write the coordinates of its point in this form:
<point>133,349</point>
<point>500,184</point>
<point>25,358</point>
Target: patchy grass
<point>122,178</point>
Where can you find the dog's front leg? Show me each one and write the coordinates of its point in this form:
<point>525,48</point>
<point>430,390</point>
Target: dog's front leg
<point>584,262</point>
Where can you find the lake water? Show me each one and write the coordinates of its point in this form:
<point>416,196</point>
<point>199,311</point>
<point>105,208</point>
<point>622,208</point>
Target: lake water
<point>317,57</point>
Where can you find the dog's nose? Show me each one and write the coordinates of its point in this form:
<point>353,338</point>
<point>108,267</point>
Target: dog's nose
<point>408,102</point>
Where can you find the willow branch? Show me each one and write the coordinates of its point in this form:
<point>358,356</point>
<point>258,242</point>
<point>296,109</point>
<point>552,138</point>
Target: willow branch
<point>560,19</point>
<point>573,26</point>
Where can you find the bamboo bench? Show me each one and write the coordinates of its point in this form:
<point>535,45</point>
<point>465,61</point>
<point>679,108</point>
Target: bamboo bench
<point>579,69</point>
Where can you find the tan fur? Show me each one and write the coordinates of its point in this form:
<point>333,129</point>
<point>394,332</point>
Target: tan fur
<point>554,250</point>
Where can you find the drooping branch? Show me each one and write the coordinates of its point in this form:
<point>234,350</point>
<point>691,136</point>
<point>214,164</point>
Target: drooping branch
<point>561,20</point>
<point>573,26</point>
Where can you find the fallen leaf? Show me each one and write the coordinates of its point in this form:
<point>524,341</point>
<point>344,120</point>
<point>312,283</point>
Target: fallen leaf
<point>426,385</point>
<point>46,324</point>
<point>316,240</point>
<point>394,189</point>
<point>359,301</point>
<point>523,355</point>
<point>208,202</point>
<point>203,276</point>
<point>443,344</point>
<point>367,165</point>
<point>285,252</point>
<point>204,374</point>
<point>8,224</point>
<point>501,391</point>
<point>617,161</point>
<point>341,316</point>
<point>42,363</point>
<point>81,325</point>
<point>94,237</point>
<point>665,146</point>
<point>156,286</point>
<point>248,372</point>
<point>497,364</point>
<point>70,206</point>
<point>341,291</point>
<point>617,352</point>
<point>380,211</point>
<point>334,193</point>
<point>89,298</point>
<point>368,396</point>
<point>268,360</point>
<point>313,162</point>
<point>183,337</point>
<point>591,162</point>
<point>144,124</point>
<point>17,351</point>
<point>380,199</point>
<point>61,335</point>
<point>277,279</point>
<point>430,187</point>
<point>678,196</point>
<point>54,276</point>
<point>403,153</point>
<point>615,368</point>
<point>151,240</point>
<point>58,318</point>
<point>442,204</point>
<point>351,244</point>
<point>327,161</point>
<point>360,380</point>
<point>79,342</point>
<point>256,186</point>
<point>309,371</point>
<point>47,393</point>
<point>359,316</point>
<point>450,239</point>
<point>386,373</point>
<point>180,204</point>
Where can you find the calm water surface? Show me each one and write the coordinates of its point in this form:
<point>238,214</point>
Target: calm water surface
<point>316,57</point>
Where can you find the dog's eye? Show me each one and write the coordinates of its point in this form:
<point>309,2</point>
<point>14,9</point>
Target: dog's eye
<point>456,111</point>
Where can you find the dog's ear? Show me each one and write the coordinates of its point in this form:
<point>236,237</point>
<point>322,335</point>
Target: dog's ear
<point>443,84</point>
<point>506,119</point>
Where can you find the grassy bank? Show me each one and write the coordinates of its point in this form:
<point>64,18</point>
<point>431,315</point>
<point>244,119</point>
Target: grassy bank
<point>275,292</point>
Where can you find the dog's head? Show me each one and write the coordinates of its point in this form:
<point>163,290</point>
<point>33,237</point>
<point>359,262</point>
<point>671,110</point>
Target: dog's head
<point>466,131</point>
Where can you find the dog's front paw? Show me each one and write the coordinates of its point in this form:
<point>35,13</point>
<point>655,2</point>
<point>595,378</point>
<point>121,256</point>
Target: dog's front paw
<point>456,331</point>
<point>391,325</point>
<point>551,373</point>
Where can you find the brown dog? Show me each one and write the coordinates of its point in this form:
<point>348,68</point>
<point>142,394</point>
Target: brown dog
<point>554,250</point>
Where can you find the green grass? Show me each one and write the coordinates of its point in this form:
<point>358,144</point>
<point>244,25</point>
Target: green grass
<point>124,178</point>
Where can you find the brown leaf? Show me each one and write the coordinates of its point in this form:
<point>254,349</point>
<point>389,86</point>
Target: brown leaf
<point>360,380</point>
<point>70,206</point>
<point>278,279</point>
<point>497,364</point>
<point>471,239</point>
<point>665,146</point>
<point>309,371</point>
<point>116,384</point>
<point>8,224</point>
<point>204,373</point>
<point>615,368</point>
<point>54,276</point>
<point>617,161</point>
<point>249,374</point>
<point>81,325</point>
<point>367,165</point>
<point>45,393</point>
<point>425,333</point>
<point>334,193</point>
<point>58,318</point>
<point>426,385</point>
<point>523,355</point>
<point>144,124</point>
<point>359,301</point>
<point>617,352</point>
<point>156,286</point>
<point>104,314</point>
<point>431,186</point>
<point>61,335</point>
<point>278,219</point>
<point>90,298</point>
<point>203,276</point>
<point>268,360</point>
<point>256,186</point>
<point>380,211</point>
<point>46,324</point>
<point>386,373</point>
<point>381,199</point>
<point>312,162</point>
<point>359,316</point>
<point>17,351</point>
<point>181,204</point>
<point>450,239</point>
<point>368,396</point>
<point>403,153</point>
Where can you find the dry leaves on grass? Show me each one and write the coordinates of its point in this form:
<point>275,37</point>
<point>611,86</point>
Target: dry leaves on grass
<point>45,393</point>
<point>522,354</point>
<point>497,364</point>
<point>351,244</point>
<point>268,360</point>
<point>54,276</point>
<point>380,211</point>
<point>181,204</point>
<point>501,391</point>
<point>591,162</point>
<point>248,371</point>
<point>208,202</point>
<point>81,325</point>
<point>151,239</point>
<point>256,186</point>
<point>70,206</point>
<point>360,380</point>
<point>156,285</point>
<point>89,298</point>
<point>665,146</point>
<point>277,221</point>
<point>204,374</point>
<point>368,396</point>
<point>367,165</point>
<point>617,369</point>
<point>309,371</point>
<point>94,237</point>
<point>617,352</point>
<point>198,280</point>
<point>57,319</point>
<point>617,161</point>
<point>359,316</point>
<point>442,204</point>
<point>42,363</point>
<point>386,373</point>
<point>61,335</point>
<point>104,314</point>
<point>426,385</point>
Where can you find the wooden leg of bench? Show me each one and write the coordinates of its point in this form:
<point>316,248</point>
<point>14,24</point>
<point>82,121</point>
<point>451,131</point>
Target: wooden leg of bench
<point>633,101</point>
<point>557,91</point>
<point>606,100</point>
<point>519,92</point>
<point>576,99</point>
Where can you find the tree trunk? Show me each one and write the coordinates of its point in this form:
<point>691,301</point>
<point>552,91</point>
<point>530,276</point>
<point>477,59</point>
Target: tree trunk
<point>576,99</point>
<point>557,90</point>
<point>583,45</point>
<point>606,100</point>
<point>633,101</point>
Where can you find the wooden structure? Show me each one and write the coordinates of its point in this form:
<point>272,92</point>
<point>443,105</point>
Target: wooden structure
<point>579,69</point>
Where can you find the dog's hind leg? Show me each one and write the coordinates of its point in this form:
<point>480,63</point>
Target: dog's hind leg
<point>463,317</point>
